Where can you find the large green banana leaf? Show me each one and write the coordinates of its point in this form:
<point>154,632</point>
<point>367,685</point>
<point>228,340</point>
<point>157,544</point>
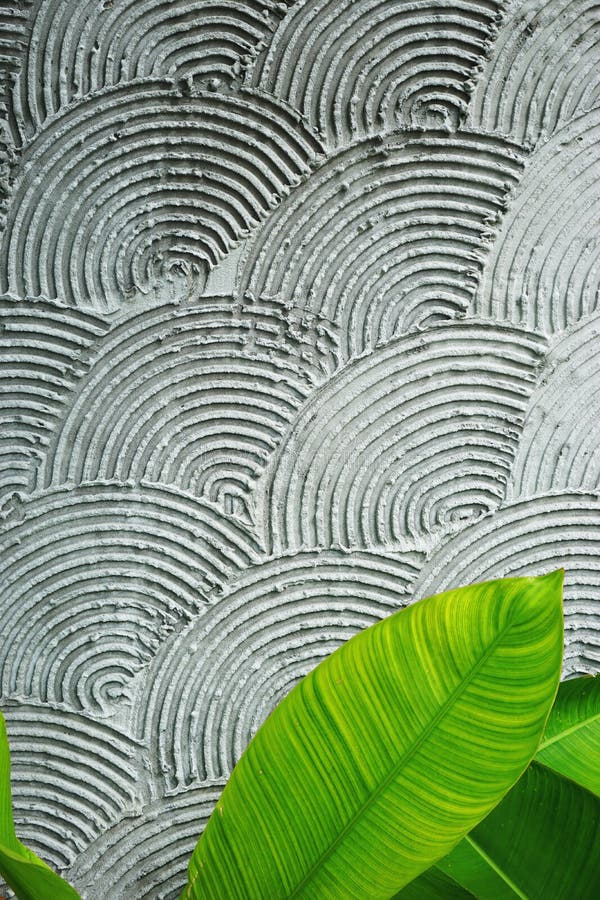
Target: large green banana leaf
<point>28,876</point>
<point>390,751</point>
<point>542,842</point>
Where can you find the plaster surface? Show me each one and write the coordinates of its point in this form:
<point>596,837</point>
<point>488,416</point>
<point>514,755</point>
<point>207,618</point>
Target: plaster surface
<point>298,323</point>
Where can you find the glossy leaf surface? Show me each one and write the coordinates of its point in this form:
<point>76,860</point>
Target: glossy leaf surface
<point>28,876</point>
<point>391,750</point>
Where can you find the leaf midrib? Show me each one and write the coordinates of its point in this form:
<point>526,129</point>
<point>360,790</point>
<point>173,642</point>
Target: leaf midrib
<point>373,797</point>
<point>567,731</point>
<point>495,867</point>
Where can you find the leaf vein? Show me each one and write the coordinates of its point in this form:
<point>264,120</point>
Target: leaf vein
<point>401,762</point>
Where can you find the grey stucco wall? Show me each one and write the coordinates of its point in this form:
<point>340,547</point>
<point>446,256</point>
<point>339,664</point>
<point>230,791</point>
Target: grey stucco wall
<point>299,324</point>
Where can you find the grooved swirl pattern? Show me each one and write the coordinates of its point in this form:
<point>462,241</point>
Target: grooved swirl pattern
<point>298,323</point>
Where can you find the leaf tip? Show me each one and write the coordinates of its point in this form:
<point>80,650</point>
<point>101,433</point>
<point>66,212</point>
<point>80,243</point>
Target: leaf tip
<point>547,589</point>
<point>554,579</point>
<point>540,597</point>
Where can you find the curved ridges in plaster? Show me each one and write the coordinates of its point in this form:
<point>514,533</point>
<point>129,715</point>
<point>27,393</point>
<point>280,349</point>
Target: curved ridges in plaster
<point>149,145</point>
<point>95,577</point>
<point>14,20</point>
<point>543,270</point>
<point>206,692</point>
<point>45,349</point>
<point>530,537</point>
<point>145,856</point>
<point>413,65</point>
<point>559,446</point>
<point>158,187</point>
<point>386,234</point>
<point>412,439</point>
<point>198,397</point>
<point>71,778</point>
<point>542,70</point>
<point>14,16</point>
<point>80,47</point>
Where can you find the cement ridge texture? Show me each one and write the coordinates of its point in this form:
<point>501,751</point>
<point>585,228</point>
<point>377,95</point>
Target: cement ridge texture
<point>299,323</point>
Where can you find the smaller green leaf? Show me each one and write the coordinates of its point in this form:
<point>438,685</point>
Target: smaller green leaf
<point>435,885</point>
<point>28,876</point>
<point>471,866</point>
<point>571,742</point>
<point>543,840</point>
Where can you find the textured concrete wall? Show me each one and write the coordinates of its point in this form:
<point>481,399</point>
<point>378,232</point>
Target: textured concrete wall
<point>298,324</point>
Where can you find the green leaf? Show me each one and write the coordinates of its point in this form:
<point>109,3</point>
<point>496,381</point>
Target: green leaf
<point>436,885</point>
<point>525,847</point>
<point>28,876</point>
<point>471,866</point>
<point>571,742</point>
<point>542,841</point>
<point>391,750</point>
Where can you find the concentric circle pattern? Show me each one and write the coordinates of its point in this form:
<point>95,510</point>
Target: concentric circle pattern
<point>542,70</point>
<point>91,773</point>
<point>405,442</point>
<point>210,687</point>
<point>197,397</point>
<point>45,348</point>
<point>388,234</point>
<point>121,220</point>
<point>559,446</point>
<point>95,577</point>
<point>99,45</point>
<point>355,66</point>
<point>543,268</point>
<point>146,851</point>
<point>299,322</point>
<point>528,537</point>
